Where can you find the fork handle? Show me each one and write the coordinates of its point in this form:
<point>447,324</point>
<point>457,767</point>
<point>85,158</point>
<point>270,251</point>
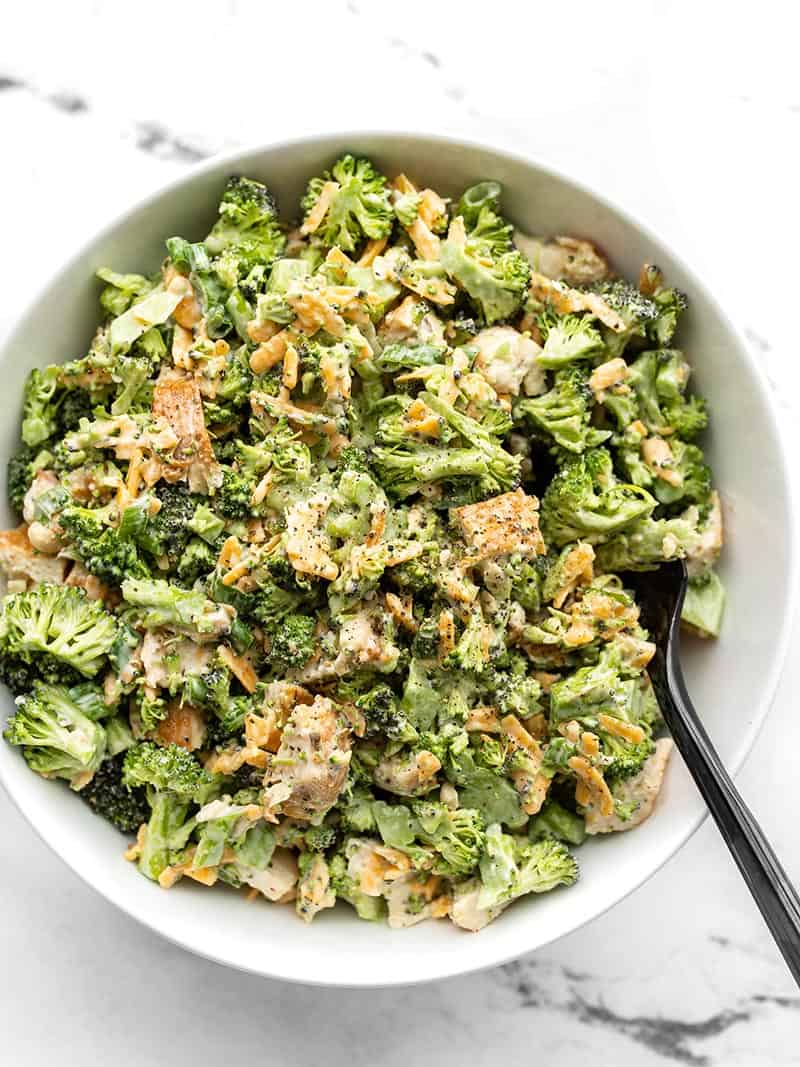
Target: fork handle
<point>769,884</point>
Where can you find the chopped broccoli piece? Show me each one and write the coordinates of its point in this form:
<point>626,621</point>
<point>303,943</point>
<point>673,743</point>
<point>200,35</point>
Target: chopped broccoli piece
<point>384,715</point>
<point>104,551</point>
<point>247,231</point>
<point>494,274</point>
<point>167,768</point>
<point>292,641</point>
<point>108,796</point>
<point>554,820</point>
<point>234,498</point>
<point>157,603</point>
<point>58,739</point>
<point>585,501</point>
<point>569,339</point>
<point>40,406</point>
<point>511,867</point>
<point>60,622</point>
<point>121,290</point>
<point>358,208</point>
<point>564,412</point>
<point>648,542</point>
<point>704,604</point>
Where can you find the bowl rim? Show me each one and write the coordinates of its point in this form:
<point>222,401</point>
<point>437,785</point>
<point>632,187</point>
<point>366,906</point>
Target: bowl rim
<point>486,959</point>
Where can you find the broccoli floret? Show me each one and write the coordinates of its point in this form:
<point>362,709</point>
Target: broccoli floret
<point>567,339</point>
<point>234,498</point>
<point>704,604</point>
<point>659,380</point>
<point>564,412</point>
<point>168,830</point>
<point>584,501</point>
<point>485,789</point>
<point>232,394</point>
<point>58,739</point>
<point>110,798</point>
<point>456,836</point>
<point>620,758</point>
<point>371,909</point>
<point>59,622</point>
<point>404,471</point>
<point>384,715</point>
<point>270,603</point>
<point>197,560</point>
<point>292,641</point>
<point>21,470</point>
<point>353,459</point>
<point>160,604</point>
<point>359,208</point>
<point>131,370</point>
<point>168,767</point>
<point>406,466</point>
<point>554,820</point>
<point>648,542</point>
<point>497,281</point>
<point>592,691</point>
<point>40,406</point>
<point>511,867</point>
<point>601,690</point>
<point>694,481</point>
<point>247,231</point>
<point>515,692</point>
<point>165,533</point>
<point>104,551</point>
<point>670,304</point>
<point>637,311</point>
<point>472,648</point>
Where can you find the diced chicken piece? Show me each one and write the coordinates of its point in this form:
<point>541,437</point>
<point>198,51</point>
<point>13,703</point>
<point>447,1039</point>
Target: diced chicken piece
<point>642,790</point>
<point>576,262</point>
<point>183,725</point>
<point>465,911</point>
<point>314,890</point>
<point>312,761</point>
<point>277,882</point>
<point>92,586</point>
<point>192,658</point>
<point>506,358</point>
<point>503,524</point>
<point>359,645</point>
<point>705,551</point>
<point>411,900</point>
<point>408,775</point>
<point>373,866</point>
<point>19,559</point>
<point>359,642</point>
<point>178,402</point>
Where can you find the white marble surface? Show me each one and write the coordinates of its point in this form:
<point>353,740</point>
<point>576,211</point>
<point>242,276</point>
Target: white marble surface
<point>688,113</point>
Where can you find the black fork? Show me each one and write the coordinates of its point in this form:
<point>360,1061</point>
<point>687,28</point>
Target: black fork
<point>660,595</point>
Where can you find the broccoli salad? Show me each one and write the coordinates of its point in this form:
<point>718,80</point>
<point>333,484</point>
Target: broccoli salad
<point>319,585</point>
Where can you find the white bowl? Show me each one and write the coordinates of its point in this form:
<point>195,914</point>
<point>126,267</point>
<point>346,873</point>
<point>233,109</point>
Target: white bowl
<point>732,680</point>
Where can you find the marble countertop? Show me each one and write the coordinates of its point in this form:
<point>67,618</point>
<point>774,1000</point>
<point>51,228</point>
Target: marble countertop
<point>690,117</point>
